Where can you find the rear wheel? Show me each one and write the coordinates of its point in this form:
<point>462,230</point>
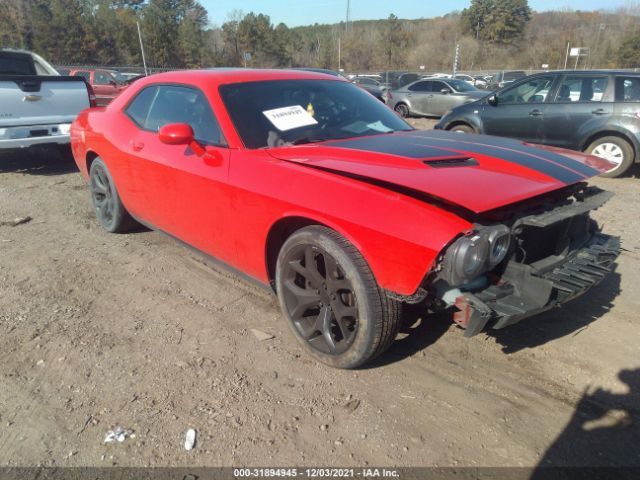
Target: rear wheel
<point>402,110</point>
<point>462,128</point>
<point>616,150</point>
<point>110,211</point>
<point>331,300</point>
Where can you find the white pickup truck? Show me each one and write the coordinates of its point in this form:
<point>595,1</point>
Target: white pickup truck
<point>37,105</point>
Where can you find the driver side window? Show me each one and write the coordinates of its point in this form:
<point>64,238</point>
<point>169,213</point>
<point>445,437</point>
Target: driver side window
<point>532,91</point>
<point>421,87</point>
<point>157,106</point>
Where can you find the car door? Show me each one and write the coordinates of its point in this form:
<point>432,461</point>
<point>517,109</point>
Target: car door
<point>519,109</point>
<point>582,103</point>
<point>174,189</point>
<point>439,102</point>
<point>418,95</point>
<point>104,86</point>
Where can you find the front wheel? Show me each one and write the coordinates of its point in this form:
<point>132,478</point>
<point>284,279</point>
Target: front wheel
<point>616,150</point>
<point>402,110</point>
<point>331,299</point>
<point>462,128</point>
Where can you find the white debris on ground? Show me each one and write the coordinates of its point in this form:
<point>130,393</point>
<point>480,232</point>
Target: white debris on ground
<point>190,439</point>
<point>118,434</point>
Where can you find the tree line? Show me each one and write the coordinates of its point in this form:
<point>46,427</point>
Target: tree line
<point>492,34</point>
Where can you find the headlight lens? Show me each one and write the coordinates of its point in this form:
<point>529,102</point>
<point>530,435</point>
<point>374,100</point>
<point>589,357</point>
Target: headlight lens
<point>472,255</point>
<point>499,241</point>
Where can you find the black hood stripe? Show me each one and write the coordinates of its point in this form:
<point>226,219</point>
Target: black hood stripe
<point>424,145</point>
<point>392,145</point>
<point>515,145</point>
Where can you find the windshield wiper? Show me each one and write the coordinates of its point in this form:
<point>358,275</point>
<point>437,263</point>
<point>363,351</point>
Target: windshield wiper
<point>304,140</point>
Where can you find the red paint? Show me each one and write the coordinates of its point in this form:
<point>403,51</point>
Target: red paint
<point>224,201</point>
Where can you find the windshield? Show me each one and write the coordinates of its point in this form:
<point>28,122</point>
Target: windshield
<point>461,86</point>
<point>289,112</point>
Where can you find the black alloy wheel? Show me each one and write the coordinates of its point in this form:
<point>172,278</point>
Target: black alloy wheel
<point>320,299</point>
<point>332,302</point>
<point>109,208</point>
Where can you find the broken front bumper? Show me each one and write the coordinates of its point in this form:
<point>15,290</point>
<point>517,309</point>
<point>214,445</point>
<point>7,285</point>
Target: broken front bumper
<point>525,291</point>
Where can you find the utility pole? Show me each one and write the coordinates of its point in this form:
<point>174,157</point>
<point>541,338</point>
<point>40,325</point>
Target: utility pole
<point>144,61</point>
<point>566,57</point>
<point>339,53</point>
<point>348,15</point>
<point>455,60</point>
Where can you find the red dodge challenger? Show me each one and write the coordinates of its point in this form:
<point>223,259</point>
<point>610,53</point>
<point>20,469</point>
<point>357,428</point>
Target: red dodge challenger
<point>308,184</point>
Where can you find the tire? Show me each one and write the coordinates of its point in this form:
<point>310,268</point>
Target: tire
<point>402,110</point>
<point>339,281</point>
<point>110,211</point>
<point>462,128</point>
<point>614,149</point>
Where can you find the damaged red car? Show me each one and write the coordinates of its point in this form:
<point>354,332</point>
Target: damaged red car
<point>311,186</point>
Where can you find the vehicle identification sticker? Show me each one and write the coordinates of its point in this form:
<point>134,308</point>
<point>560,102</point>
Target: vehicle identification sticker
<point>288,118</point>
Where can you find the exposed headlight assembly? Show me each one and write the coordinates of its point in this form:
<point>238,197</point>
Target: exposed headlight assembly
<point>472,255</point>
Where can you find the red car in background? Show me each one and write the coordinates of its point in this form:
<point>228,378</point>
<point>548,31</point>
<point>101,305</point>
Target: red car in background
<point>308,184</point>
<point>103,82</point>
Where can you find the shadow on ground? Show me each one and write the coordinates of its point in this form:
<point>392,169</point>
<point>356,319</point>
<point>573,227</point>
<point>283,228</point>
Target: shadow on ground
<point>569,319</point>
<point>50,161</point>
<point>602,436</point>
<point>421,329</point>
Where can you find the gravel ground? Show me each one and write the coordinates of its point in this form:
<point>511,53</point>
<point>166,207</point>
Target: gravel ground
<point>137,331</point>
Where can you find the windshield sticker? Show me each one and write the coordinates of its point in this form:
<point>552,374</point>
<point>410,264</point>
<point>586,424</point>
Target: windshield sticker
<point>288,118</point>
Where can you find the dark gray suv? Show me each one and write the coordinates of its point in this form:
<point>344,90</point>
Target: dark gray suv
<point>597,112</point>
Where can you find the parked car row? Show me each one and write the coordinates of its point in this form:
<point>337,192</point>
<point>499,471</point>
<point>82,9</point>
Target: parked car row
<point>597,112</point>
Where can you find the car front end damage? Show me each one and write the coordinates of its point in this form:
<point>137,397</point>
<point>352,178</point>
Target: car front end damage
<point>519,262</point>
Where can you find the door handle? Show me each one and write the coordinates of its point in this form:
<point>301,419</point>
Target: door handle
<point>136,146</point>
<point>535,113</point>
<point>32,98</point>
<point>599,111</point>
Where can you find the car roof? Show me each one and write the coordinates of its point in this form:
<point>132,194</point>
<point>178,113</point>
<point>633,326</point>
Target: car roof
<point>590,72</point>
<point>220,76</point>
<point>213,78</point>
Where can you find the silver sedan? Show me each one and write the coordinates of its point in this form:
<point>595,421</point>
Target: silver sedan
<point>433,97</point>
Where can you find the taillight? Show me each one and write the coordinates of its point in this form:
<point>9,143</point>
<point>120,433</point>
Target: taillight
<point>92,96</point>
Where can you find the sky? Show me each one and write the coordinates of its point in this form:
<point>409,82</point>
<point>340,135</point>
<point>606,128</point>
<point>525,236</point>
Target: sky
<point>308,12</point>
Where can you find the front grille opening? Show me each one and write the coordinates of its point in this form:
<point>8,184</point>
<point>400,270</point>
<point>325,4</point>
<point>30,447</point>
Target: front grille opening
<point>452,162</point>
<point>534,244</point>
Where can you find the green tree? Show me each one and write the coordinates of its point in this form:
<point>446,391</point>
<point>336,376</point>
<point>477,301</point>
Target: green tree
<point>496,21</point>
<point>629,52</point>
<point>394,41</point>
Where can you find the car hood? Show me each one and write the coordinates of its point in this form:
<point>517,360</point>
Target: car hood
<point>477,172</point>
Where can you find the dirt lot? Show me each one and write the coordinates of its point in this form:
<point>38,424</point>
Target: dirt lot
<point>100,330</point>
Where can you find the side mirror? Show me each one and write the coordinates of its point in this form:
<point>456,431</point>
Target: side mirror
<point>492,100</point>
<point>176,134</point>
<point>445,91</point>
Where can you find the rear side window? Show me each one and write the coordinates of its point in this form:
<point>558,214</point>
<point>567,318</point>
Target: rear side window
<point>138,109</point>
<point>176,104</point>
<point>628,89</point>
<point>582,89</point>
<point>16,64</point>
<point>101,78</point>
